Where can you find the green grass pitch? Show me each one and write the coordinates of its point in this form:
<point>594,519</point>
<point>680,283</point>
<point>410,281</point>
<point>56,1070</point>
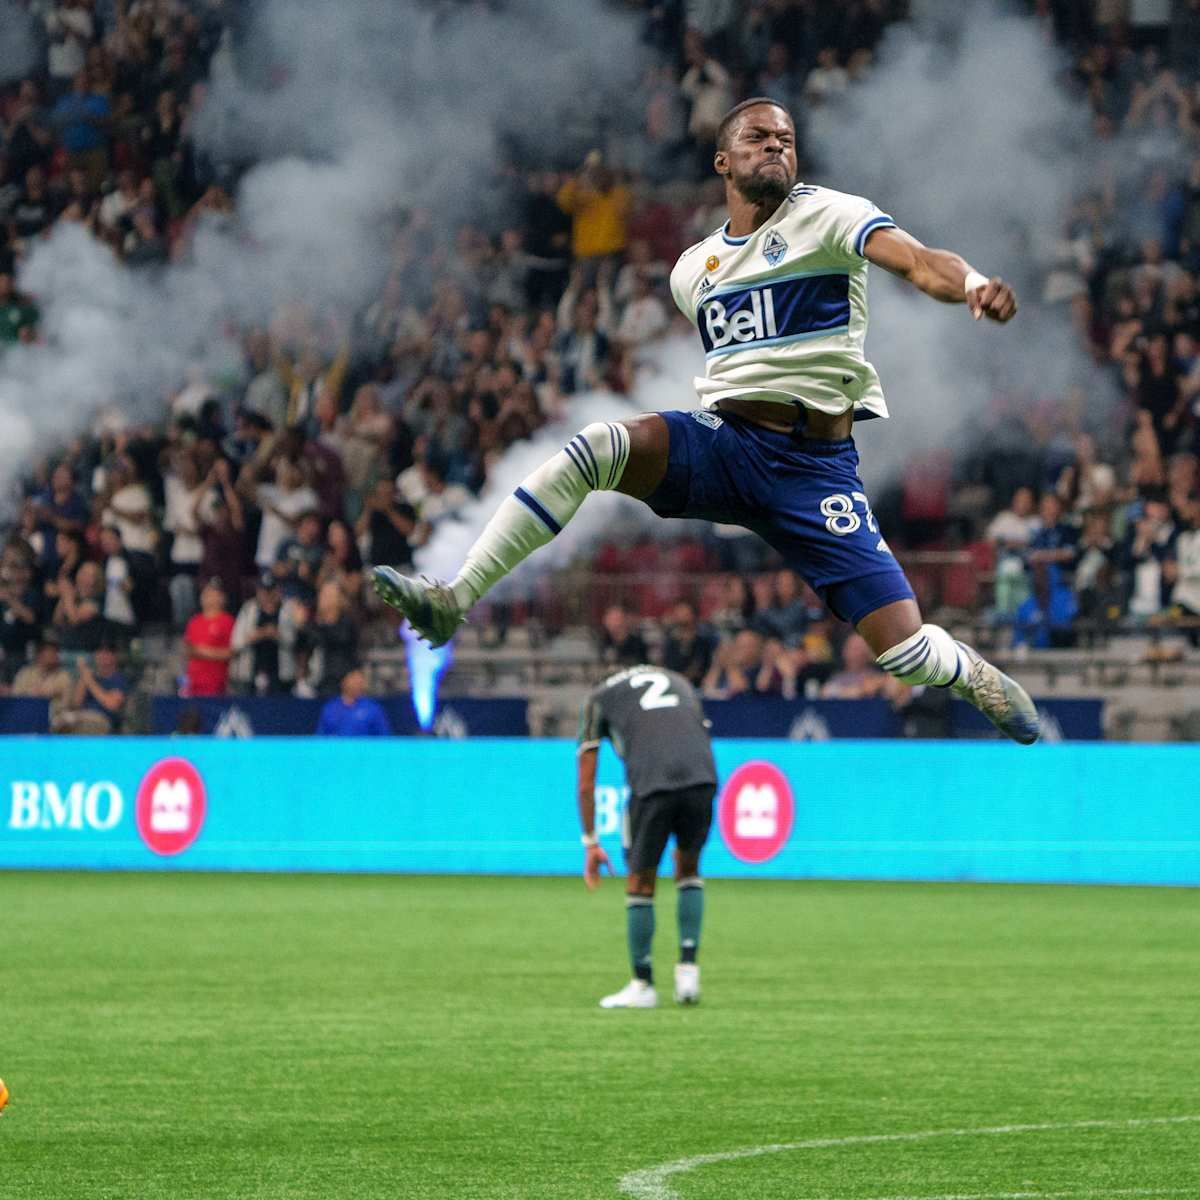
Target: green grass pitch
<point>176,1036</point>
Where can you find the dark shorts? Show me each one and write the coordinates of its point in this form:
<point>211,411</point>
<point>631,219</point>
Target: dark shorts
<point>651,820</point>
<point>801,495</point>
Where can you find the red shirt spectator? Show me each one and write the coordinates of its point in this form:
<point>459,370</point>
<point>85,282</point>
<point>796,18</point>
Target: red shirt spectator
<point>208,640</point>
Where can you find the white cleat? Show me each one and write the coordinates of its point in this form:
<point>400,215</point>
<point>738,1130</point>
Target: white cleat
<point>1002,700</point>
<point>428,605</point>
<point>637,993</point>
<point>687,983</point>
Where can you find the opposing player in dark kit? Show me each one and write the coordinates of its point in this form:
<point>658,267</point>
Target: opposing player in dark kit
<point>778,295</point>
<point>655,722</point>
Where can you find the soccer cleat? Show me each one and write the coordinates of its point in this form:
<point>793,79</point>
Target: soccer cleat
<point>428,606</point>
<point>687,983</point>
<point>1002,700</point>
<point>637,993</point>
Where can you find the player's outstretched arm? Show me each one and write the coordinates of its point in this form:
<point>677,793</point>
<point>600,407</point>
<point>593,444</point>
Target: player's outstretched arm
<point>941,274</point>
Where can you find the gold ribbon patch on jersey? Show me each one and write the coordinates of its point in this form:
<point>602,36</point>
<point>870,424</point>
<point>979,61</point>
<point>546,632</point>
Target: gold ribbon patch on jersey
<point>712,262</point>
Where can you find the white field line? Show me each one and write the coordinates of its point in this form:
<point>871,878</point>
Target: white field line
<point>651,1182</point>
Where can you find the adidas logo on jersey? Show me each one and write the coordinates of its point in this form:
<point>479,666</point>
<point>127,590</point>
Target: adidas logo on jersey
<point>751,324</point>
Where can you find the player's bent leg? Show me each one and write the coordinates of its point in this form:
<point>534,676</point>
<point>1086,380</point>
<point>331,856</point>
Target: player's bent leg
<point>627,456</point>
<point>639,929</point>
<point>917,653</point>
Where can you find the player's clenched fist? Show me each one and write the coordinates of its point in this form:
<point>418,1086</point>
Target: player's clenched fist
<point>994,299</point>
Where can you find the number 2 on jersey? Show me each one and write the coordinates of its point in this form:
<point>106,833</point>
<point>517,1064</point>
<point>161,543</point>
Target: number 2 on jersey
<point>658,690</point>
<point>839,514</point>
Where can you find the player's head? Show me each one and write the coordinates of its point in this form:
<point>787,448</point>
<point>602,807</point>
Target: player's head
<point>756,151</point>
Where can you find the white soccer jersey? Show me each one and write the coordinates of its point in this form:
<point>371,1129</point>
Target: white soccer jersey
<point>782,312</point>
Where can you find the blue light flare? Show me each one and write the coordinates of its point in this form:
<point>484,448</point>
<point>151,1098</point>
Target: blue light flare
<point>426,666</point>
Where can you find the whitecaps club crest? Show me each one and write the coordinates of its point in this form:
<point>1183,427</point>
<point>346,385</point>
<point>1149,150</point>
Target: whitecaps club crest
<point>774,248</point>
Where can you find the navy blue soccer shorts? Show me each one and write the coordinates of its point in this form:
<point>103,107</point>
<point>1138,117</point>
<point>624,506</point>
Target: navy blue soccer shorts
<point>801,495</point>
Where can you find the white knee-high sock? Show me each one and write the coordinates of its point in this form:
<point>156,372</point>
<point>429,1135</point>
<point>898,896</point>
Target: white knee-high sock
<point>930,656</point>
<point>592,461</point>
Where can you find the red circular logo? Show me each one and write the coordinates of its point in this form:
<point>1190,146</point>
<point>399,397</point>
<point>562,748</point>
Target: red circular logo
<point>756,812</point>
<point>170,806</point>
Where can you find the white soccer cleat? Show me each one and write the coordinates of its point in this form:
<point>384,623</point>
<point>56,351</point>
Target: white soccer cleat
<point>1002,700</point>
<point>637,993</point>
<point>687,983</point>
<point>428,606</point>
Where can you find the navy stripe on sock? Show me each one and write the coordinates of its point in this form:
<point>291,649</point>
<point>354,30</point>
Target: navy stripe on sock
<point>912,667</point>
<point>538,511</point>
<point>898,662</point>
<point>615,451</point>
<point>583,452</point>
<point>595,465</point>
<point>622,454</point>
<point>576,458</point>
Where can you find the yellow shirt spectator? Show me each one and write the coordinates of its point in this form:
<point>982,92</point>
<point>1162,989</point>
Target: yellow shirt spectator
<point>598,208</point>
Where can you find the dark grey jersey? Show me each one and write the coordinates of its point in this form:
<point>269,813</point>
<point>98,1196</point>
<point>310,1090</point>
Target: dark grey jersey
<point>656,724</point>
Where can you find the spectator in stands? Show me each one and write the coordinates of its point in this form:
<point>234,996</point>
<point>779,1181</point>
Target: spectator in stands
<point>582,345</point>
<point>688,647</point>
<point>99,697</point>
<point>330,639</point>
<point>83,117</point>
<point>208,644</point>
<point>20,607</point>
<point>620,644</point>
<point>385,526</point>
<point>45,678</point>
<point>352,713</point>
<point>707,86</point>
<point>124,503</point>
<point>859,677</point>
<point>786,616</point>
<point>341,562</point>
<point>598,206</point>
<point>282,502</point>
<point>118,585</point>
<point>17,312</point>
<point>1181,568</point>
<point>1146,548</point>
<point>185,493</point>
<point>222,531</point>
<point>734,608</point>
<point>79,614</point>
<point>735,666</point>
<point>299,560</point>
<point>1096,577</point>
<point>1010,533</point>
<point>256,638</point>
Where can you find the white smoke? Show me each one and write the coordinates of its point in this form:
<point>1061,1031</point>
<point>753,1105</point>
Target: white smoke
<point>965,135</point>
<point>18,45</point>
<point>665,382</point>
<point>351,111</point>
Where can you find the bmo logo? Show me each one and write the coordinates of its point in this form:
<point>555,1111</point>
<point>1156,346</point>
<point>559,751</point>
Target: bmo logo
<point>79,805</point>
<point>170,806</point>
<point>756,812</point>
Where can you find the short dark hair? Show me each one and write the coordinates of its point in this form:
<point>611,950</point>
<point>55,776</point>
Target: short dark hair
<point>730,118</point>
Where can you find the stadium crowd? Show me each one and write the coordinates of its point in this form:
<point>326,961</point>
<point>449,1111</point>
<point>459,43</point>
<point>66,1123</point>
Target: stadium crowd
<point>243,516</point>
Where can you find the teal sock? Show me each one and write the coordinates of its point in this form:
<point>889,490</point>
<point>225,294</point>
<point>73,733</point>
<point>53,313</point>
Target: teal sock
<point>639,928</point>
<point>690,912</point>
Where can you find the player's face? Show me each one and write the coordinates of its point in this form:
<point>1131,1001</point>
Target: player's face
<point>760,160</point>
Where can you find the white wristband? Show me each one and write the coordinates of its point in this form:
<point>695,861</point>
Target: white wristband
<point>590,839</point>
<point>974,280</point>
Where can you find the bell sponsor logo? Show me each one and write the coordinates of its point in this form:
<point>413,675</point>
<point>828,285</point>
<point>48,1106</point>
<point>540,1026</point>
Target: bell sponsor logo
<point>77,806</point>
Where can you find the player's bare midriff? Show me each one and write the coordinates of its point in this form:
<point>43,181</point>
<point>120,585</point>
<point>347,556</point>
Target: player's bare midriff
<point>815,424</point>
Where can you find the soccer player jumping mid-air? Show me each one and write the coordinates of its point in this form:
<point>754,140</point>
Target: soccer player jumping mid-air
<point>779,297</point>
